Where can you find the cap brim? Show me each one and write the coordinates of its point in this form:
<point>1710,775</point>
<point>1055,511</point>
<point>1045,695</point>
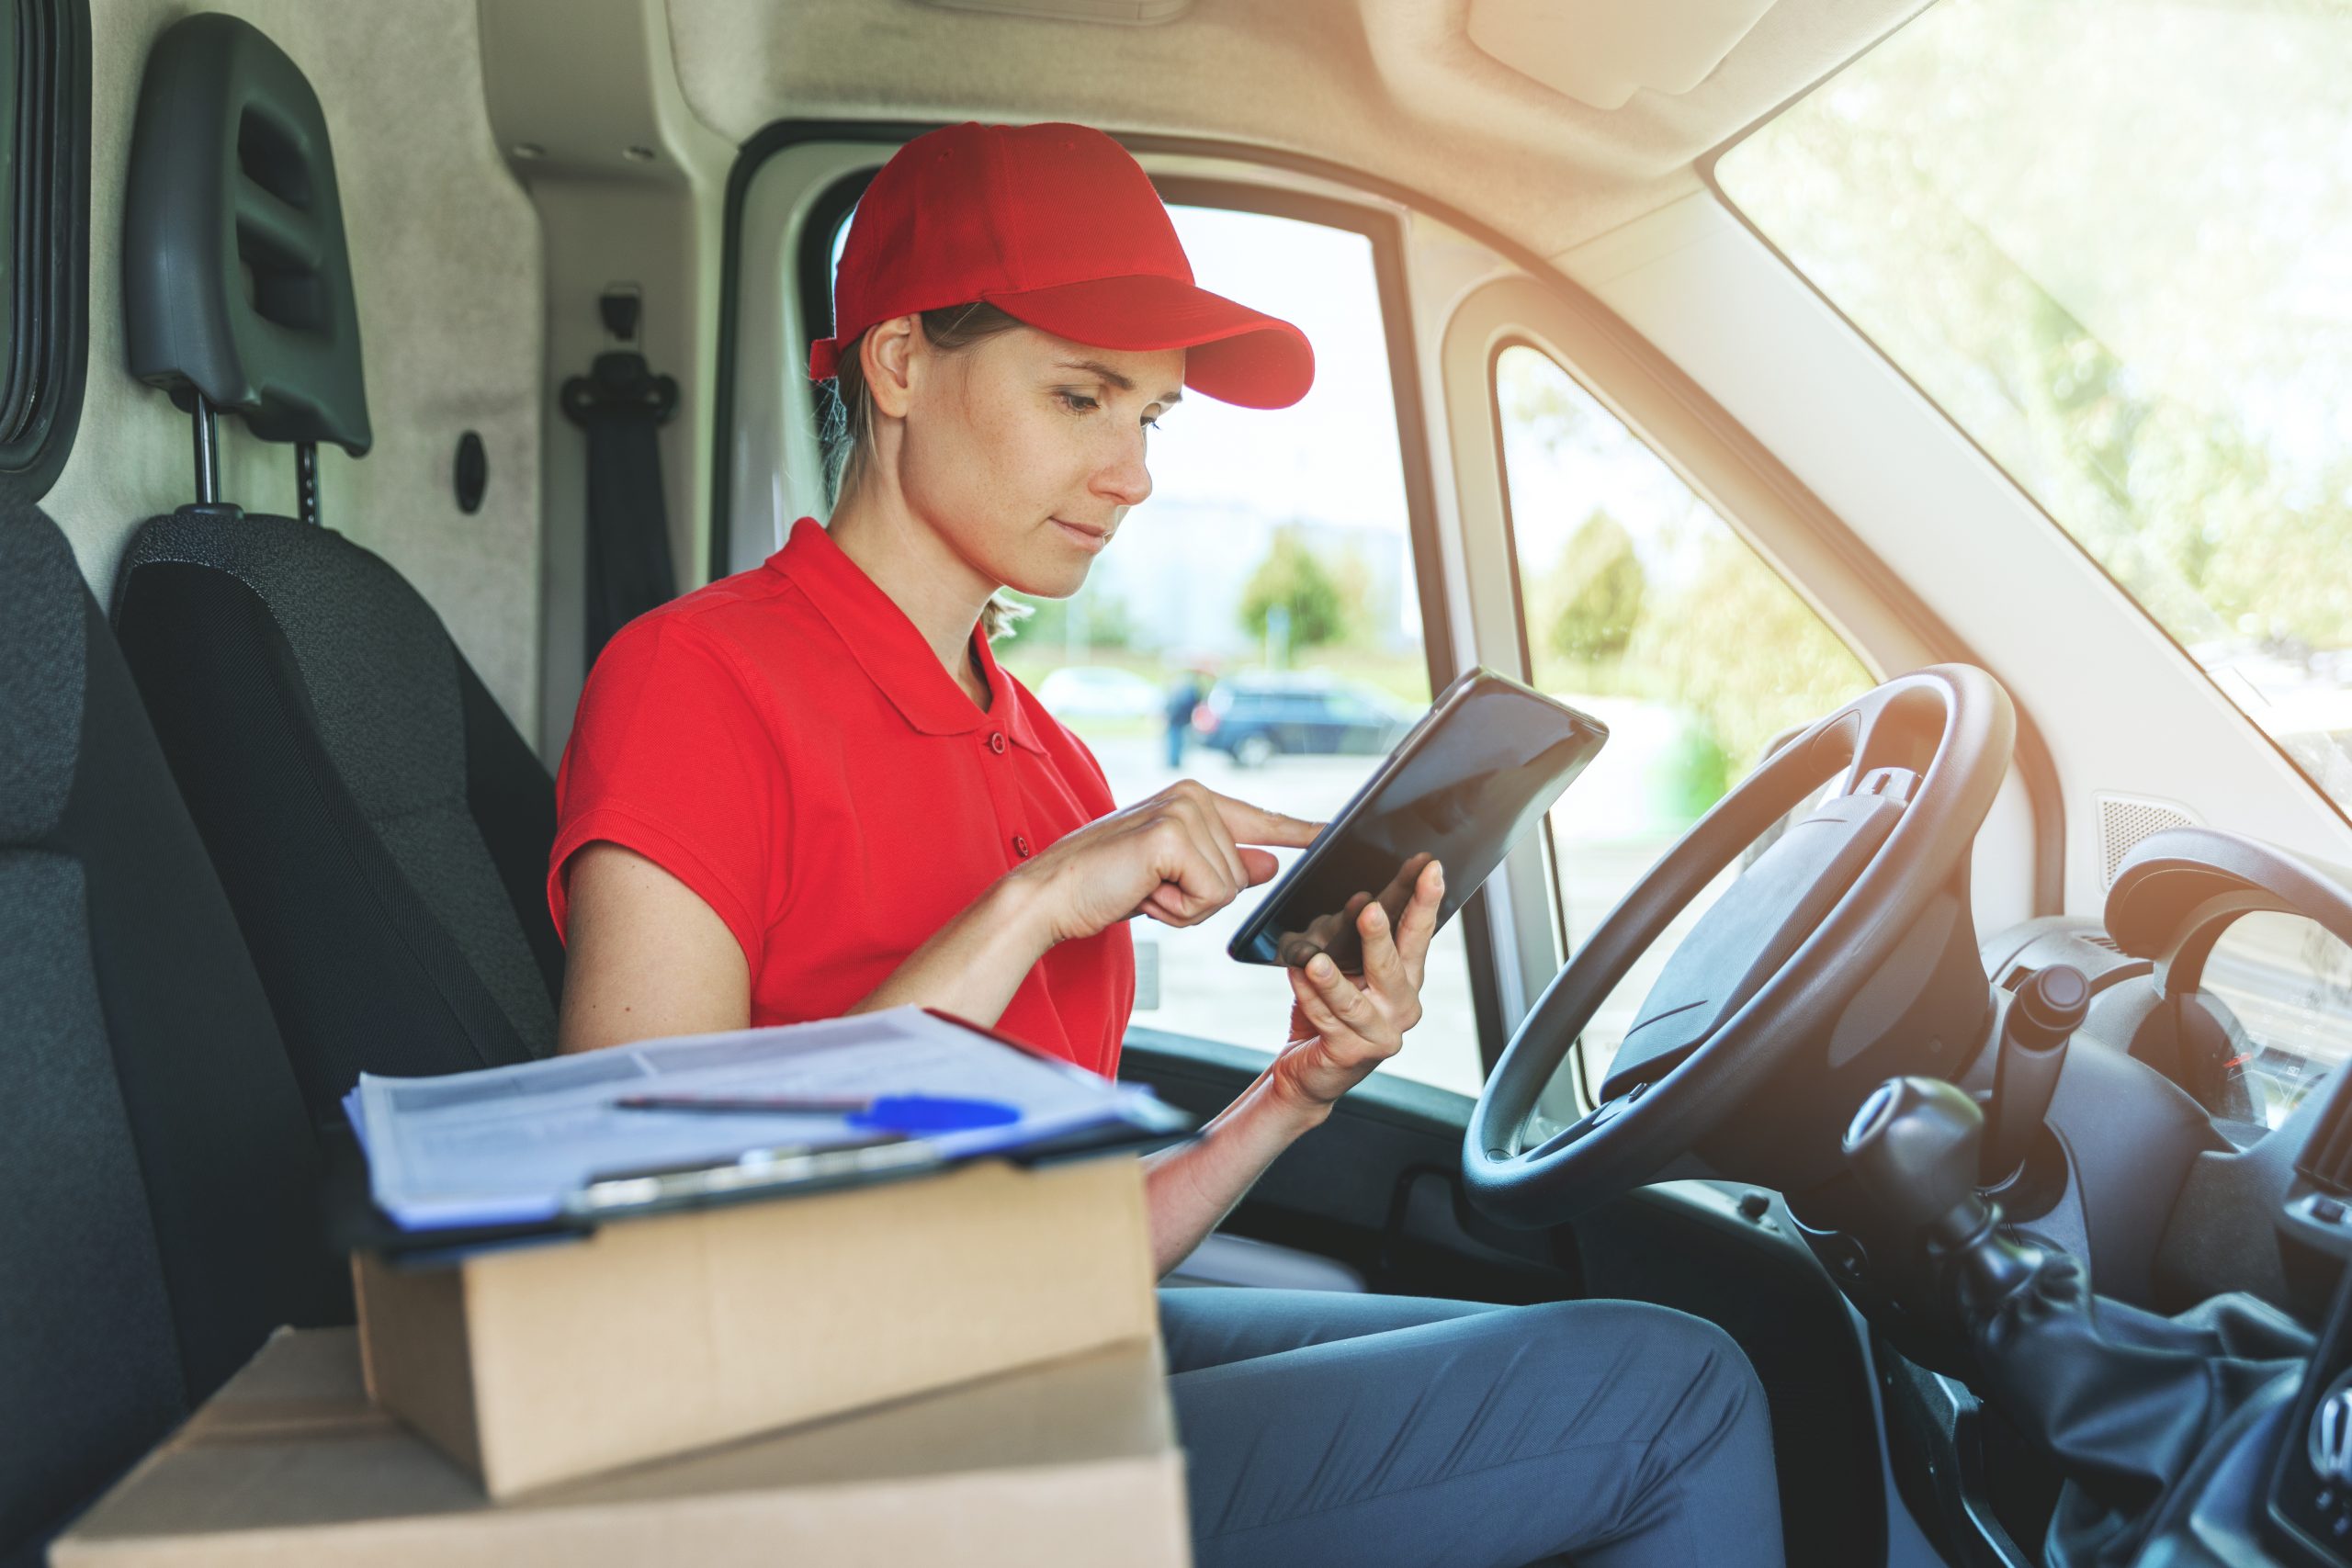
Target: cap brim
<point>1237,354</point>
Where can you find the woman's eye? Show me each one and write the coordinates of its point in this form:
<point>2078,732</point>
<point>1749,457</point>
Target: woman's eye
<point>1150,421</point>
<point>1078,402</point>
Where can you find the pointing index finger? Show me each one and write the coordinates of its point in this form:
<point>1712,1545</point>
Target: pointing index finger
<point>1255,825</point>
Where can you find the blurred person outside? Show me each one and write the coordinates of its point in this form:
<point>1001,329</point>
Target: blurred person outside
<point>1183,696</point>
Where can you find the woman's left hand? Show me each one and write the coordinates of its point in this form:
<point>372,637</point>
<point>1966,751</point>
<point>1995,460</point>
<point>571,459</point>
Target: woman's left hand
<point>1342,1026</point>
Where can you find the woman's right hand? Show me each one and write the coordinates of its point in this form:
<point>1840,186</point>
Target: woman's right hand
<point>1178,857</point>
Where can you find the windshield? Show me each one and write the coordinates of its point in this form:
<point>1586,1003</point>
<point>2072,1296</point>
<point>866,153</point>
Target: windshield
<point>2113,240</point>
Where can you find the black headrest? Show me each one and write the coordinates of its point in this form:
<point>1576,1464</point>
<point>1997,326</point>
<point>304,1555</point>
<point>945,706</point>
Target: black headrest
<point>236,278</point>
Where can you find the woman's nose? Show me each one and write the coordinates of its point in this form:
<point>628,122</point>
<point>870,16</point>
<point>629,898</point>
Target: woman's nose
<point>1125,481</point>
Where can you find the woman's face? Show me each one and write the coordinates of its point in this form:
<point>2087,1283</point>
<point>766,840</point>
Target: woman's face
<point>1024,450</point>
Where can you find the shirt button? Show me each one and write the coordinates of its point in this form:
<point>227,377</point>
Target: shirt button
<point>1021,847</point>
<point>996,742</point>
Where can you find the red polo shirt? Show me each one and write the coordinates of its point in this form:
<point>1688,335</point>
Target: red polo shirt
<point>787,744</point>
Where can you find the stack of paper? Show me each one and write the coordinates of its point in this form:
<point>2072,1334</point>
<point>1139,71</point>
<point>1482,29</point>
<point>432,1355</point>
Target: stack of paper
<point>537,1141</point>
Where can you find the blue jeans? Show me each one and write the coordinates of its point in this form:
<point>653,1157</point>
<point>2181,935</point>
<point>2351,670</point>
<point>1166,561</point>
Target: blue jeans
<point>1326,1427</point>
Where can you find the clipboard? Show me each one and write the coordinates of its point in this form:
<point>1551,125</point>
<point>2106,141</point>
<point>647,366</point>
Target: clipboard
<point>355,1223</point>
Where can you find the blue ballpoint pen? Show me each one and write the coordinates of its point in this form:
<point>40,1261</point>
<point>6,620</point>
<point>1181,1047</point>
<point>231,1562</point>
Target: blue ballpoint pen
<point>891,1112</point>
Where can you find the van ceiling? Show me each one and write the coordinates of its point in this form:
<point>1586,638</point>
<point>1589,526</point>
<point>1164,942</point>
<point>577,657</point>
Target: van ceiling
<point>1392,88</point>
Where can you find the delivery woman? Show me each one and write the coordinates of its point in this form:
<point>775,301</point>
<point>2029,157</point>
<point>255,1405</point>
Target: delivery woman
<point>809,789</point>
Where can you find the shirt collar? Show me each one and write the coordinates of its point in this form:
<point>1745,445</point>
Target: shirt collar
<point>891,650</point>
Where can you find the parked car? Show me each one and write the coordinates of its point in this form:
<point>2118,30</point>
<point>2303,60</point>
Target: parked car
<point>1098,691</point>
<point>1254,718</point>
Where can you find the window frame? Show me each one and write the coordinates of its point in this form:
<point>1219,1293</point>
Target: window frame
<point>1807,544</point>
<point>1628,391</point>
<point>1553,862</point>
<point>1647,377</point>
<point>1383,228</point>
<point>43,357</point>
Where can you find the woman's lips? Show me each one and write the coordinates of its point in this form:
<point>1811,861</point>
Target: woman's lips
<point>1089,537</point>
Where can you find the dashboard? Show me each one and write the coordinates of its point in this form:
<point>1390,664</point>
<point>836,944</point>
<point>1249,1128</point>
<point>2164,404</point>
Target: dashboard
<point>2197,1146</point>
<point>2220,982</point>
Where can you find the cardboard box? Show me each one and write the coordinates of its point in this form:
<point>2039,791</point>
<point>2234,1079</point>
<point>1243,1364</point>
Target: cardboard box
<point>658,1335</point>
<point>1066,1464</point>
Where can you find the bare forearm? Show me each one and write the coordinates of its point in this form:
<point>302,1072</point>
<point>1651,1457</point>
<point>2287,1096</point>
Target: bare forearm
<point>971,965</point>
<point>1187,1189</point>
<point>1342,1029</point>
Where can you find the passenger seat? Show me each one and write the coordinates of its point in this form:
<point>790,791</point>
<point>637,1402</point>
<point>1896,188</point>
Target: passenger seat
<point>158,1175</point>
<point>381,828</point>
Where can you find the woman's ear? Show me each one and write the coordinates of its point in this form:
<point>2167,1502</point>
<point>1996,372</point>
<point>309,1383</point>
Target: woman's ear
<point>887,353</point>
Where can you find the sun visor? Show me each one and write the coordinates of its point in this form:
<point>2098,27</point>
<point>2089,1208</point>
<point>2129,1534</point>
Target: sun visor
<point>236,276</point>
<point>1601,53</point>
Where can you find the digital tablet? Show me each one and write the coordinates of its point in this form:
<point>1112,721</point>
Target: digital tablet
<point>1483,764</point>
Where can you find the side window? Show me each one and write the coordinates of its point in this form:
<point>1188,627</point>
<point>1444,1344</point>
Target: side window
<point>1645,608</point>
<point>2287,984</point>
<point>44,134</point>
<point>12,102</point>
<point>1269,579</point>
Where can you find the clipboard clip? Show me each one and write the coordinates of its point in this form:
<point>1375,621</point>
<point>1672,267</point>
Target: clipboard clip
<point>786,1166</point>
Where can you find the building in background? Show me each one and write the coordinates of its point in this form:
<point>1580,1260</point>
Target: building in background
<point>1174,581</point>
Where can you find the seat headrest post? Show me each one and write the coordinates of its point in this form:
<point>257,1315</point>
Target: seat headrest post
<point>207,453</point>
<point>306,481</point>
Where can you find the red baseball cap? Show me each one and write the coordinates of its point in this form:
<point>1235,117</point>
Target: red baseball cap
<point>1057,226</point>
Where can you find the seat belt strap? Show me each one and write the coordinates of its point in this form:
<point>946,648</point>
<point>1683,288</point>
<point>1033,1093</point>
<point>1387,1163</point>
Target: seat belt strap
<point>622,405</point>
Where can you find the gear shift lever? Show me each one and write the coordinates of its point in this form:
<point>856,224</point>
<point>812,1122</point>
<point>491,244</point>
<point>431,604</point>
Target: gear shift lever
<point>1914,1145</point>
<point>2043,1017</point>
<point>2122,1400</point>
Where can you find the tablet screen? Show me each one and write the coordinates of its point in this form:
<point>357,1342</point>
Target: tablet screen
<point>1489,760</point>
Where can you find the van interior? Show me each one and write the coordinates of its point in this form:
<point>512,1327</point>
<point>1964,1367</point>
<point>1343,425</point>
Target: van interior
<point>1923,433</point>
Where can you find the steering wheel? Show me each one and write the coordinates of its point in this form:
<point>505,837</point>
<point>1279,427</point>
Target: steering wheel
<point>1846,953</point>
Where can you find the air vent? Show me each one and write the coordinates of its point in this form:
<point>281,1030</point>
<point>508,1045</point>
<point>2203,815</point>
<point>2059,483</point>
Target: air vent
<point>2098,939</point>
<point>1134,13</point>
<point>2326,1158</point>
<point>2125,819</point>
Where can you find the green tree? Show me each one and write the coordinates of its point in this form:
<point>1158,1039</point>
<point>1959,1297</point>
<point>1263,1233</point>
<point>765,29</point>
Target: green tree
<point>1551,409</point>
<point>1102,620</point>
<point>1923,204</point>
<point>1294,577</point>
<point>1599,586</point>
<point>1352,574</point>
<point>1707,627</point>
<point>1736,647</point>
